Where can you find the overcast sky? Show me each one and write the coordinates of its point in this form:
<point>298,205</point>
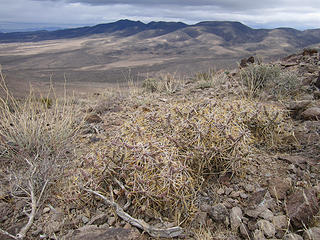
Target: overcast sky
<point>27,14</point>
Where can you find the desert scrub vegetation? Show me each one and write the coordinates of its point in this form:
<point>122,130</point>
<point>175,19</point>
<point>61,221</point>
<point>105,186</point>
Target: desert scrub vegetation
<point>165,83</point>
<point>159,159</point>
<point>271,79</point>
<point>218,81</point>
<point>36,145</point>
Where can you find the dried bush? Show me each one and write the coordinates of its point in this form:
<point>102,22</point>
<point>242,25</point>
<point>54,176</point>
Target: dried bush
<point>270,79</point>
<point>206,76</point>
<point>170,83</point>
<point>150,84</point>
<point>255,77</point>
<point>287,85</point>
<point>217,81</point>
<point>167,83</point>
<point>36,143</point>
<point>163,157</point>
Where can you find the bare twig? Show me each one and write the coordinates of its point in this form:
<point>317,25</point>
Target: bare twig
<point>25,229</point>
<point>128,204</point>
<point>42,191</point>
<point>152,231</point>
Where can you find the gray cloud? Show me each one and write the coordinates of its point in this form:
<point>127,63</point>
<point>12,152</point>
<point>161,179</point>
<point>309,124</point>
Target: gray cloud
<point>222,4</point>
<point>267,13</point>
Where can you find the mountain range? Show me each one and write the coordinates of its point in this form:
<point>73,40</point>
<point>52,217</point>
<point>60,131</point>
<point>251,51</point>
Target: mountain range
<point>122,50</point>
<point>230,32</point>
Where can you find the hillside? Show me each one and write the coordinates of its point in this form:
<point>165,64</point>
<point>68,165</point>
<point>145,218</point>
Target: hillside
<point>228,154</point>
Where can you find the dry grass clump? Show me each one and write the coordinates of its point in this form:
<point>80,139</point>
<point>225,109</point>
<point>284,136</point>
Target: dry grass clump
<point>255,77</point>
<point>287,85</point>
<point>217,80</point>
<point>163,157</point>
<point>271,79</point>
<point>36,143</point>
<point>168,83</point>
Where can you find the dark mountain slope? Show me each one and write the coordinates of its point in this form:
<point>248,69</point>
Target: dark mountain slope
<point>232,33</point>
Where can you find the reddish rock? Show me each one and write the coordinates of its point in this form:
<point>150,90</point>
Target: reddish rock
<point>246,61</point>
<point>302,206</point>
<point>279,187</point>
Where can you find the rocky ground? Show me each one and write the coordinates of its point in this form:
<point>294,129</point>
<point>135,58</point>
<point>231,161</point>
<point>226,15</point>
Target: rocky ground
<point>276,196</point>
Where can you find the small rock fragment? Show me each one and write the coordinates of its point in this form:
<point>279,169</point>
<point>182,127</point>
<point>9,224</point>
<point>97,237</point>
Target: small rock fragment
<point>278,187</point>
<point>255,212</point>
<point>292,236</point>
<point>220,191</point>
<point>267,228</point>
<point>218,213</point>
<point>235,218</point>
<point>45,210</point>
<point>312,113</point>
<point>249,187</point>
<point>228,191</point>
<point>243,195</point>
<point>99,219</point>
<point>84,219</point>
<point>111,221</point>
<point>205,208</point>
<point>235,194</point>
<point>302,206</point>
<point>281,225</point>
<point>312,234</point>
<point>280,222</point>
<point>267,215</point>
<point>258,235</point>
<point>93,118</point>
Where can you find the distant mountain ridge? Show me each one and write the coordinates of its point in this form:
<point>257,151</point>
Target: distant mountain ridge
<point>121,28</point>
<point>230,32</point>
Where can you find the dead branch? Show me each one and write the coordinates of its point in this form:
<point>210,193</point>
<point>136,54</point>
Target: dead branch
<point>152,231</point>
<point>34,206</point>
<point>25,229</point>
